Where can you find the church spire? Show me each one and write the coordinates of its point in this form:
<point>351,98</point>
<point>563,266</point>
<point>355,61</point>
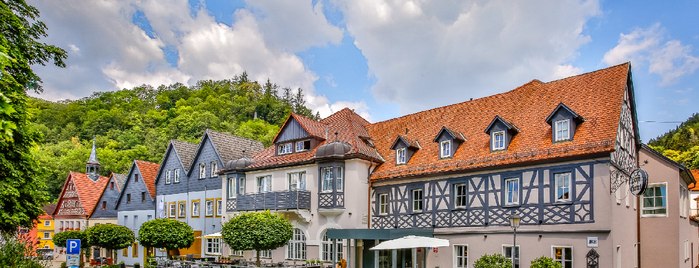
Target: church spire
<point>92,167</point>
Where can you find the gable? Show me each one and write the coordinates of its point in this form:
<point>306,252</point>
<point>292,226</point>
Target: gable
<point>109,196</point>
<point>135,189</point>
<point>69,202</point>
<point>292,130</point>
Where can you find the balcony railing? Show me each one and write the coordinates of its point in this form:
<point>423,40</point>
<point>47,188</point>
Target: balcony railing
<point>290,199</point>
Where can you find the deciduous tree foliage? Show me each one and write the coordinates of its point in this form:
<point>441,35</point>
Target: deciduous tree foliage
<point>680,144</point>
<point>493,261</point>
<point>138,123</point>
<point>110,236</point>
<point>166,233</point>
<point>22,192</point>
<point>257,231</point>
<point>545,262</point>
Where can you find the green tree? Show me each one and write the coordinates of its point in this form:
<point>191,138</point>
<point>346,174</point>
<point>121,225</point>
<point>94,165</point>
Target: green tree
<point>166,233</point>
<point>14,250</point>
<point>110,236</point>
<point>60,240</point>
<point>545,262</point>
<point>492,261</point>
<point>259,130</point>
<point>257,231</point>
<point>21,183</point>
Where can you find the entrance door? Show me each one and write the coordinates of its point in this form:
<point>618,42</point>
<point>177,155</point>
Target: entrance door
<point>405,258</point>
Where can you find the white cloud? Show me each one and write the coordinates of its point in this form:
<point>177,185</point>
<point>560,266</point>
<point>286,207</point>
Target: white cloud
<point>670,60</point>
<point>330,79</point>
<point>431,53</point>
<point>109,52</point>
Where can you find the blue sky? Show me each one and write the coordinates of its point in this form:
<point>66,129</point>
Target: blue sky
<point>382,58</point>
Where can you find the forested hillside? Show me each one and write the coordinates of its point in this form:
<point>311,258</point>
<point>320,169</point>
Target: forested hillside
<point>138,123</point>
<point>681,144</point>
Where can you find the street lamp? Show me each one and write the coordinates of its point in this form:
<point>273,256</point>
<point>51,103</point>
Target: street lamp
<point>514,223</point>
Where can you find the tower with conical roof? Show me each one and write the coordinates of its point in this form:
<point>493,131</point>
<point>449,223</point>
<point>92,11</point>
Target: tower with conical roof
<point>92,167</point>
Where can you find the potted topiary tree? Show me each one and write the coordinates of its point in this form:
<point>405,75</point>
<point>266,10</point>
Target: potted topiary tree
<point>111,237</point>
<point>257,231</point>
<point>166,233</point>
<point>544,262</point>
<point>492,261</point>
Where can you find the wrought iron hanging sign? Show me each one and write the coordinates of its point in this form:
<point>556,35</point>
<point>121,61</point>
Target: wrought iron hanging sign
<point>638,181</point>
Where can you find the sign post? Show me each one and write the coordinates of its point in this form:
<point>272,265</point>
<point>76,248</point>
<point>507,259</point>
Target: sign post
<point>73,253</point>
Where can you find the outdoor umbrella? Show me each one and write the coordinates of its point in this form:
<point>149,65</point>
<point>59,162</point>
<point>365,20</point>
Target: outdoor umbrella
<point>412,241</point>
<point>211,236</point>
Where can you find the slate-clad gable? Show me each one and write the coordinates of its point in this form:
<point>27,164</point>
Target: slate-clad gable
<point>292,131</point>
<point>172,161</point>
<point>207,154</point>
<point>120,180</point>
<point>109,196</point>
<point>185,151</point>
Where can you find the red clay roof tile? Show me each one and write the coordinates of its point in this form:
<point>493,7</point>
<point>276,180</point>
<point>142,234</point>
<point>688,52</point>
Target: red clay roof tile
<point>88,190</point>
<point>596,96</point>
<point>148,172</point>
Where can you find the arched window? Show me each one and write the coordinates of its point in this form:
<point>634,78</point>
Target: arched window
<point>327,248</point>
<point>296,248</point>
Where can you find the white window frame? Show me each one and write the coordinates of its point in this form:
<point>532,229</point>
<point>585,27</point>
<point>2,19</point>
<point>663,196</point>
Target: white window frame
<point>286,148</point>
<point>684,202</point>
<point>47,223</point>
<point>207,202</point>
<point>214,167</point>
<point>563,256</point>
<point>338,178</point>
<point>213,246</point>
<point>47,235</point>
<point>643,201</point>
<point>173,210</point>
<point>296,247</point>
<point>202,171</point>
<point>241,185</point>
<point>417,200</point>
<point>327,250</point>
<point>400,156</point>
<point>237,253</point>
<point>556,186</point>
<point>219,207</point>
<point>445,152</point>
<point>456,258</point>
<point>560,130</point>
<point>177,175</point>
<point>264,183</point>
<point>328,176</point>
<point>302,148</point>
<point>383,204</point>
<point>517,252</point>
<point>195,209</point>
<point>458,196</point>
<point>232,187</point>
<point>267,254</point>
<point>168,177</point>
<point>497,146</point>
<point>296,180</point>
<point>515,192</point>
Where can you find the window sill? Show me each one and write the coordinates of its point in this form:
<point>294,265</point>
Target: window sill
<point>514,205</point>
<point>416,212</point>
<point>494,151</point>
<point>563,202</point>
<point>460,208</point>
<point>654,216</point>
<point>445,157</point>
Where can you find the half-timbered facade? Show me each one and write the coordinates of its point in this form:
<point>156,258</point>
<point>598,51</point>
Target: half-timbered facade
<point>315,174</point>
<point>136,205</point>
<point>559,154</point>
<point>189,187</point>
<point>77,200</point>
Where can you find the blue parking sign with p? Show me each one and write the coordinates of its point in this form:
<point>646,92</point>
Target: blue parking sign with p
<point>73,246</point>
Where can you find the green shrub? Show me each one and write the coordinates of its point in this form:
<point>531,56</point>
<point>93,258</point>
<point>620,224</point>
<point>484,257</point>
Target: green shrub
<point>14,252</point>
<point>493,261</point>
<point>544,262</point>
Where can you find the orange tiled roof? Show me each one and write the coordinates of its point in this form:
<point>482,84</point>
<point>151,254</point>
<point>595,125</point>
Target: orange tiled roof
<point>695,173</point>
<point>88,190</point>
<point>148,172</point>
<point>349,127</point>
<point>596,96</point>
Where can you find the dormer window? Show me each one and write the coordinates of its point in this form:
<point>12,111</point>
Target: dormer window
<point>285,148</point>
<point>562,133</point>
<point>564,122</point>
<point>303,145</point>
<point>400,156</point>
<point>445,149</point>
<point>405,148</point>
<point>498,140</point>
<point>501,134</point>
